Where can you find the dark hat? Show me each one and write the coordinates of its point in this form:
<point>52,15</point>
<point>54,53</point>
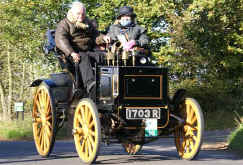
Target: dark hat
<point>126,10</point>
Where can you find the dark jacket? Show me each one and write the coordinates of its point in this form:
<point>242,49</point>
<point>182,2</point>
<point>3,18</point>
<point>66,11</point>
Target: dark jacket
<point>134,32</point>
<point>70,39</point>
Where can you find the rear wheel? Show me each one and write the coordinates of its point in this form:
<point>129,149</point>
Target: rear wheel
<point>188,138</point>
<point>132,149</point>
<point>44,120</point>
<point>87,130</point>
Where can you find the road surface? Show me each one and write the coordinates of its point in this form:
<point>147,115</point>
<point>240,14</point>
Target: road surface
<point>162,151</point>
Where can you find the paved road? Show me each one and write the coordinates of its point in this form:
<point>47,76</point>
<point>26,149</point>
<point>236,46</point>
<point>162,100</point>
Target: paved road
<point>159,152</point>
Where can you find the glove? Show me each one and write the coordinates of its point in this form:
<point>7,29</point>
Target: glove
<point>129,45</point>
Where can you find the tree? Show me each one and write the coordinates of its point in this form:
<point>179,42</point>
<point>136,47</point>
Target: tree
<point>206,39</point>
<point>21,32</point>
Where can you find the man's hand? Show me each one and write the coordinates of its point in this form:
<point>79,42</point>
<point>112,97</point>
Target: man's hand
<point>75,56</point>
<point>107,39</point>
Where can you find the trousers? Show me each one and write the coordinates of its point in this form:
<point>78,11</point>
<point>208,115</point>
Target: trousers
<point>85,69</point>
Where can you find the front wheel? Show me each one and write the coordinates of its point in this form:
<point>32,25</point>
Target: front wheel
<point>87,130</point>
<point>188,138</point>
<point>44,120</point>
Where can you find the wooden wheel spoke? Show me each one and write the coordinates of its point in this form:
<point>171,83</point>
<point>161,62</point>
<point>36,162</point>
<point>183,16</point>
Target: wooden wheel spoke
<point>194,128</point>
<point>80,138</point>
<point>188,111</point>
<point>91,132</point>
<point>40,135</point>
<point>89,117</point>
<point>86,149</point>
<point>47,99</point>
<point>37,101</point>
<point>194,138</point>
<point>48,117</point>
<point>42,139</point>
<point>48,107</point>
<point>82,146</point>
<point>40,97</point>
<point>91,124</point>
<point>49,124</point>
<point>91,141</point>
<point>43,97</point>
<point>193,120</point>
<point>86,112</point>
<point>187,145</point>
<point>80,120</point>
<point>191,144</point>
<point>45,141</point>
<point>48,130</point>
<point>48,138</point>
<point>38,131</point>
<point>191,133</point>
<point>90,147</point>
<point>183,145</point>
<point>82,116</point>
<point>38,120</point>
<point>80,131</point>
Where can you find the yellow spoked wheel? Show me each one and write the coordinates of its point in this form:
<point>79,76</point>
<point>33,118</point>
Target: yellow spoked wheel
<point>188,138</point>
<point>132,149</point>
<point>87,130</point>
<point>44,122</point>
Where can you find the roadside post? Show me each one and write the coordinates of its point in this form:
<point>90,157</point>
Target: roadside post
<point>19,108</point>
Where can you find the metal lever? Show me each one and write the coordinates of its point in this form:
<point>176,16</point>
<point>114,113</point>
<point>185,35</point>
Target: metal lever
<point>76,75</point>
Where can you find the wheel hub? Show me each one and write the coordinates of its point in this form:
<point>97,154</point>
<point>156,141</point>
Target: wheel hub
<point>43,119</point>
<point>86,130</point>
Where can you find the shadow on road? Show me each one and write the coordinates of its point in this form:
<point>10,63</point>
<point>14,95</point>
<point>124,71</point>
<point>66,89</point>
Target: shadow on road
<point>37,159</point>
<point>24,152</point>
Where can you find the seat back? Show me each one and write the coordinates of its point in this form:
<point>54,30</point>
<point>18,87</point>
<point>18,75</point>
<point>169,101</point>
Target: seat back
<point>50,44</point>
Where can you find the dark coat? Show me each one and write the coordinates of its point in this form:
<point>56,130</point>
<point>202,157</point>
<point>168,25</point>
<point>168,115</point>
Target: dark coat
<point>134,32</point>
<point>70,39</point>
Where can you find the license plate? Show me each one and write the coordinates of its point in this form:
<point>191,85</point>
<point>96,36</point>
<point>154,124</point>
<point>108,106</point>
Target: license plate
<point>142,113</point>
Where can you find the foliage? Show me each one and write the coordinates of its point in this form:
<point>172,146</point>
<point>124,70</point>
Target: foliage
<point>206,42</point>
<point>21,32</point>
<point>200,41</point>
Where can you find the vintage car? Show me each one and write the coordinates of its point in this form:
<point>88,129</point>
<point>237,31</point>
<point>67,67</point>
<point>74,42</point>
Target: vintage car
<point>129,105</point>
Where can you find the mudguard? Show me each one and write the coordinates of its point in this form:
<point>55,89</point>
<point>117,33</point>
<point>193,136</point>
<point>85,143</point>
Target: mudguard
<point>178,97</point>
<point>37,82</point>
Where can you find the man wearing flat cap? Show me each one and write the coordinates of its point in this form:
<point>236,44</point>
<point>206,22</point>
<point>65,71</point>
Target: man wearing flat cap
<point>126,26</point>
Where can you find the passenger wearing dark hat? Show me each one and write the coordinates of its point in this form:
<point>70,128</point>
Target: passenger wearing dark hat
<point>125,26</point>
<point>126,10</point>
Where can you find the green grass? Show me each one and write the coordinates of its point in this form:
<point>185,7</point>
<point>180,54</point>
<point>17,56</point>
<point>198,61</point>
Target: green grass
<point>17,129</point>
<point>220,120</point>
<point>22,130</point>
<point>236,140</point>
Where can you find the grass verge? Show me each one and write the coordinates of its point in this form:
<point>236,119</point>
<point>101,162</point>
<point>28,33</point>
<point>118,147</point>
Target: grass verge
<point>16,129</point>
<point>236,140</point>
<point>220,120</point>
